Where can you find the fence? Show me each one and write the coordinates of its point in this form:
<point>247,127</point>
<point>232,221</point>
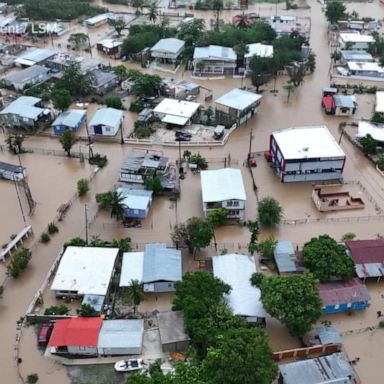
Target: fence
<point>307,351</point>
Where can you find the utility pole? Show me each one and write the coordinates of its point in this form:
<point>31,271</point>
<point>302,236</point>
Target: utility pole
<point>90,150</point>
<point>250,143</point>
<point>181,170</point>
<point>86,223</point>
<point>18,198</point>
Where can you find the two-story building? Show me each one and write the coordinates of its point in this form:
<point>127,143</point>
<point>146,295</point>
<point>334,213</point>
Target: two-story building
<point>168,51</point>
<point>223,188</point>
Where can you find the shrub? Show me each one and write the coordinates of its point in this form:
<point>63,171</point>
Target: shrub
<point>44,238</point>
<point>100,161</point>
<point>381,324</point>
<point>348,236</point>
<point>113,102</point>
<point>142,132</point>
<point>52,228</point>
<point>199,160</point>
<point>32,378</point>
<point>56,310</point>
<point>269,212</point>
<point>86,310</point>
<point>136,106</point>
<point>18,263</point>
<point>1,290</point>
<point>82,187</point>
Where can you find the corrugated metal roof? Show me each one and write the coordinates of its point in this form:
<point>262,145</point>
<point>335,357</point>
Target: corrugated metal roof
<point>161,263</point>
<point>110,117</point>
<point>102,78</point>
<point>343,292</point>
<point>327,334</point>
<point>172,327</point>
<point>135,198</point>
<point>26,75</point>
<point>37,55</point>
<point>24,106</point>
<point>132,268</point>
<point>236,270</point>
<point>70,118</point>
<point>333,369</point>
<point>121,334</point>
<point>170,45</point>
<point>285,257</point>
<point>214,52</point>
<point>343,101</point>
<point>238,99</point>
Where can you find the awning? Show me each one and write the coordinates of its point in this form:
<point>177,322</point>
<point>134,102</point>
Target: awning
<point>171,119</point>
<point>26,62</point>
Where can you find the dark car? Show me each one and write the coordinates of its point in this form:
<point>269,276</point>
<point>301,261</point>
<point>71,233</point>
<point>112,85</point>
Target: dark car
<point>183,136</point>
<point>44,334</point>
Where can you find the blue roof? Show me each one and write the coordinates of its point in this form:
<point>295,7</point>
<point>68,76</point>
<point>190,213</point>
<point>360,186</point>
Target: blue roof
<point>70,118</point>
<point>285,257</point>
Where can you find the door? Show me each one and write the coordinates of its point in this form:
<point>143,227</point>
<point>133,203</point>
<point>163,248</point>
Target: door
<point>98,129</point>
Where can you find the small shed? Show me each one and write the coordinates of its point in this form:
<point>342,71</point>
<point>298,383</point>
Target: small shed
<point>103,81</point>
<point>106,122</point>
<point>173,335</point>
<point>137,202</point>
<point>324,334</point>
<point>69,120</point>
<point>95,301</point>
<point>285,257</point>
<point>345,105</point>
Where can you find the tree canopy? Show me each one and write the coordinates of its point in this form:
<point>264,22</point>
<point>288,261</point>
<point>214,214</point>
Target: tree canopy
<point>294,300</point>
<point>68,140</point>
<point>143,83</point>
<point>269,212</point>
<point>61,98</point>
<point>327,259</point>
<point>335,11</point>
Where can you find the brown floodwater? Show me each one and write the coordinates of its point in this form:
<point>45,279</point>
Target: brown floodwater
<point>52,181</point>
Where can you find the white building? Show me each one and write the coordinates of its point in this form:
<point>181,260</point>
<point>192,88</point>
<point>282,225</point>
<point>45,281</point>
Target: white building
<point>99,20</point>
<point>168,51</point>
<point>365,69</point>
<point>236,106</point>
<point>84,270</point>
<point>306,154</point>
<point>177,112</point>
<point>355,41</point>
<point>35,56</point>
<point>258,50</point>
<point>214,60</point>
<point>366,128</point>
<point>243,299</point>
<point>106,121</point>
<point>223,188</point>
<point>379,106</point>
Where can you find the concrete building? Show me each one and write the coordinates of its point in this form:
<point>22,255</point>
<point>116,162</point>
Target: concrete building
<point>356,56</point>
<point>106,122</point>
<point>214,60</point>
<point>345,105</point>
<point>168,51</point>
<point>243,299</point>
<point>355,41</point>
<point>306,154</point>
<point>334,369</point>
<point>27,77</point>
<point>379,105</point>
<point>158,267</point>
<point>137,202</point>
<point>179,89</point>
<point>375,130</point>
<point>24,113</point>
<point>103,81</point>
<point>365,69</point>
<point>236,106</point>
<point>173,335</point>
<point>83,271</point>
<point>223,188</point>
<point>110,47</point>
<point>34,57</point>
<point>99,20</point>
<point>176,112</point>
<point>69,120</point>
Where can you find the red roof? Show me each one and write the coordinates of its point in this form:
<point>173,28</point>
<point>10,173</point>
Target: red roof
<point>343,292</point>
<point>76,331</point>
<point>328,102</point>
<point>366,251</point>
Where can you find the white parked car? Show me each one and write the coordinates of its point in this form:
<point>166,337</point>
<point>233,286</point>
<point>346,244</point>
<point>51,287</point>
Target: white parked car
<point>129,365</point>
<point>342,71</point>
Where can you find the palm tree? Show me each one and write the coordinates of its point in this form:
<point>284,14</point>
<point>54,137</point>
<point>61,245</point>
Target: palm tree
<point>153,12</point>
<point>136,293</point>
<point>289,87</point>
<point>124,244</point>
<point>217,6</point>
<point>242,21</point>
<point>117,206</point>
<point>138,4</point>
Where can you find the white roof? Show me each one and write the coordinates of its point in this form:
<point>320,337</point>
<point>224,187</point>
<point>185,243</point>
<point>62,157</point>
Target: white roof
<point>175,120</point>
<point>35,56</point>
<point>238,99</point>
<point>110,117</point>
<point>379,102</point>
<point>70,118</point>
<point>87,270</point>
<point>170,45</point>
<point>236,270</point>
<point>356,38</point>
<point>366,128</point>
<point>135,198</point>
<point>180,108</point>
<point>364,66</point>
<point>222,184</point>
<point>104,16</point>
<point>307,142</point>
<point>110,43</point>
<point>132,268</point>
<point>259,50</point>
<point>214,52</point>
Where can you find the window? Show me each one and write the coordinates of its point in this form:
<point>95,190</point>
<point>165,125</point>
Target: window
<point>108,129</point>
<point>135,211</point>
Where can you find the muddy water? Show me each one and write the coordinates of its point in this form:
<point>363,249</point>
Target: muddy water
<point>52,181</point>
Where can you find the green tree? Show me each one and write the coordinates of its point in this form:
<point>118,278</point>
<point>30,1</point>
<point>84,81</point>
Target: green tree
<point>117,206</point>
<point>154,184</point>
<point>78,39</point>
<point>335,11</point>
<point>82,187</point>
<point>254,229</point>
<point>380,162</point>
<point>124,244</point>
<point>310,62</point>
<point>368,144</point>
<point>75,81</point>
<point>348,236</point>
<point>1,291</point>
<point>296,72</point>
<point>191,32</point>
<point>327,259</point>
<point>68,140</point>
<point>104,200</point>
<point>61,99</point>
<point>262,70</point>
<point>217,6</point>
<point>19,262</point>
<point>76,242</point>
<point>294,300</point>
<point>240,356</point>
<point>121,71</point>
<point>135,293</point>
<point>289,87</point>
<point>56,310</point>
<point>86,310</point>
<point>269,212</point>
<point>153,12</point>
<point>32,378</point>
<point>15,143</point>
<point>194,234</point>
<point>217,217</point>
<point>144,84</point>
<point>138,4</point>
<point>113,102</point>
<point>118,25</point>
<point>267,246</point>
<point>199,160</point>
<point>200,66</point>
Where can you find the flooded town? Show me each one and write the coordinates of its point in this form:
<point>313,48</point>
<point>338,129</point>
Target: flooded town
<point>192,192</point>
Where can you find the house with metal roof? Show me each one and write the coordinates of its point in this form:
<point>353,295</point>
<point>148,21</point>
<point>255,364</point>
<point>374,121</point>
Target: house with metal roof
<point>34,57</point>
<point>257,50</point>
<point>173,336</point>
<point>340,296</point>
<point>243,299</point>
<point>83,271</point>
<point>355,41</point>
<point>136,202</point>
<point>12,172</point>
<point>168,51</point>
<point>214,60</point>
<point>110,47</point>
<point>365,69</point>
<point>285,257</point>
<point>103,81</point>
<point>375,130</point>
<point>223,188</point>
<point>176,112</point>
<point>357,56</point>
<point>306,154</point>
<point>69,120</point>
<point>99,20</point>
<point>92,336</point>
<point>345,105</point>
<point>28,76</point>
<point>368,256</point>
<point>334,368</point>
<point>106,121</point>
<point>324,334</point>
<point>24,113</point>
<point>236,106</point>
<point>158,267</point>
